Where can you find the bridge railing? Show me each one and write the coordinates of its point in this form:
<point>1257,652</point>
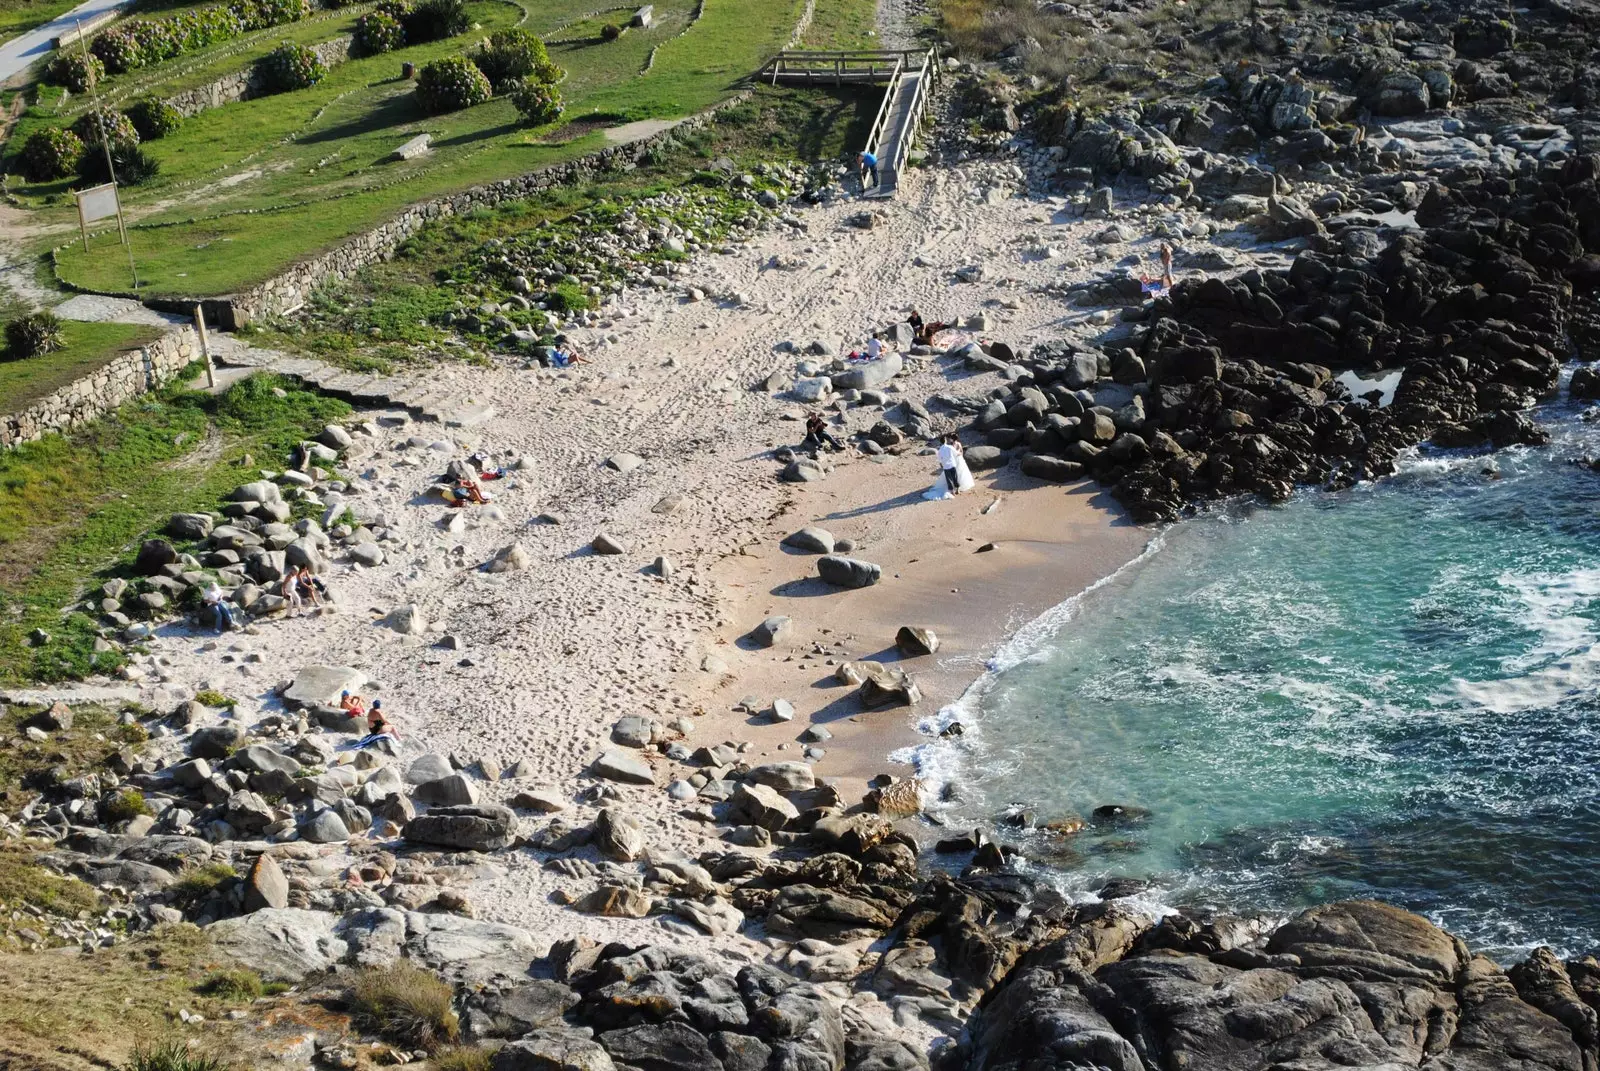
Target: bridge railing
<point>837,67</point>
<point>875,135</point>
<point>918,103</point>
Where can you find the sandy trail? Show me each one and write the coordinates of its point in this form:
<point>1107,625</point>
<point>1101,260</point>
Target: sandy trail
<point>552,655</point>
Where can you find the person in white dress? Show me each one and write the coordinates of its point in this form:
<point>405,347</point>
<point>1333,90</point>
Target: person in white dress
<point>954,475</point>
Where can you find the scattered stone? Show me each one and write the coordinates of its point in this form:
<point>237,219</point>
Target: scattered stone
<point>812,540</point>
<point>615,765</point>
<point>772,631</point>
<point>915,640</point>
<point>848,572</point>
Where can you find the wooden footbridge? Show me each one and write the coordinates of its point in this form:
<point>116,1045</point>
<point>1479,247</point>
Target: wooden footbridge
<point>907,77</point>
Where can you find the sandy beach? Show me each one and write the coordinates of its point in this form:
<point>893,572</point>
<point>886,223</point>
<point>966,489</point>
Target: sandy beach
<point>541,662</point>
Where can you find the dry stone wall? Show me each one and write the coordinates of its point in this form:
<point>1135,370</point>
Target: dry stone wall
<point>289,290</point>
<point>250,82</point>
<point>123,379</point>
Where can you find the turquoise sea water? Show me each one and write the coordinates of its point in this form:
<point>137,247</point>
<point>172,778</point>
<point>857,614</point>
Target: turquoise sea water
<point>1388,692</point>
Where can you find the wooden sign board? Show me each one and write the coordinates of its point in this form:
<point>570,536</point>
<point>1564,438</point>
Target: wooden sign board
<point>97,203</point>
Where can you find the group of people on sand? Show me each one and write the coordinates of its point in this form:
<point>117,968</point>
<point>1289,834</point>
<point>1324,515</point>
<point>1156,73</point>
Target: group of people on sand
<point>378,725</point>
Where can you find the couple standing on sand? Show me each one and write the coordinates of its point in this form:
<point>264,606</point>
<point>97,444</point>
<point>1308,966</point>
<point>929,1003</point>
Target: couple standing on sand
<point>954,476</point>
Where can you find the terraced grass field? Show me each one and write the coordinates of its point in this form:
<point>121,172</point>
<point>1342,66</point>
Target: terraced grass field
<point>248,188</point>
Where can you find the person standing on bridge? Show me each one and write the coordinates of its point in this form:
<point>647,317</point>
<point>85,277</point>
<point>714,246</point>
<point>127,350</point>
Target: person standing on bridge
<point>869,165</point>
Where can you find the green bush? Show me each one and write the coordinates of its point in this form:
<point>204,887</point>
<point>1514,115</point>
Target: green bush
<point>133,165</point>
<point>610,32</point>
<point>451,84</point>
<point>97,124</point>
<point>49,154</point>
<point>171,1056</point>
<point>197,883</point>
<point>290,67</point>
<point>435,20</point>
<point>127,804</point>
<point>154,118</point>
<point>76,70</point>
<point>538,102</point>
<point>406,1004</point>
<point>259,14</point>
<point>240,985</point>
<point>33,335</point>
<point>568,297</point>
<point>142,42</point>
<point>378,31</point>
<point>511,55</point>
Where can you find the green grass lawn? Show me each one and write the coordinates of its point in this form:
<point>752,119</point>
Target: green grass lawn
<point>249,188</point>
<point>73,507</point>
<point>842,24</point>
<point>88,346</point>
<point>20,16</point>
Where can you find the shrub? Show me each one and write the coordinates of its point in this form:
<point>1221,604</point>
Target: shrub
<point>434,20</point>
<point>133,165</point>
<point>538,102</point>
<point>75,70</point>
<point>378,31</point>
<point>97,124</point>
<point>450,84</point>
<point>154,118</point>
<point>171,1056</point>
<point>197,883</point>
<point>242,984</point>
<point>406,1004</point>
<point>511,55</point>
<point>568,297</point>
<point>117,50</point>
<point>33,335</point>
<point>462,1059</point>
<point>51,153</point>
<point>259,14</point>
<point>610,32</point>
<point>210,697</point>
<point>127,804</point>
<point>289,67</point>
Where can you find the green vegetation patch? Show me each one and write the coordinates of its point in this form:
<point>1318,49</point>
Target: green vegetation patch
<point>246,189</point>
<point>406,1004</point>
<point>22,881</point>
<point>97,733</point>
<point>86,347</point>
<point>73,508</point>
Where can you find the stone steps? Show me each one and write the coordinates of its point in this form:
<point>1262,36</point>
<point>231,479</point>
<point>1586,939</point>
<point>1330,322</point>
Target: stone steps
<point>421,394</point>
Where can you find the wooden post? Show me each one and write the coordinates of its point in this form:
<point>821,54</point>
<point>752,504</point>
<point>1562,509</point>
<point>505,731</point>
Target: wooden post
<point>205,346</point>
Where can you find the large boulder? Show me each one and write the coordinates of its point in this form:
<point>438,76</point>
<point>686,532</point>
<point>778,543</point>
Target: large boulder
<point>553,1049</point>
<point>618,836</point>
<point>761,806</point>
<point>451,790</point>
<point>618,765</point>
<point>483,827</point>
<point>870,374</point>
<point>321,686</point>
<point>190,525</point>
<point>153,555</point>
<point>848,572</point>
<point>282,944</point>
<point>514,1012</point>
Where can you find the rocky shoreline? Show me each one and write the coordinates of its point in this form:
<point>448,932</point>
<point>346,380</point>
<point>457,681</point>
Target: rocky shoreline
<point>1341,224</point>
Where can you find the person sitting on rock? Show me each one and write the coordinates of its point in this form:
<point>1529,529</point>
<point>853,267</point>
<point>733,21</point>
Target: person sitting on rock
<point>565,358</point>
<point>352,704</point>
<point>310,587</point>
<point>817,434</point>
<point>377,723</point>
<point>221,609</point>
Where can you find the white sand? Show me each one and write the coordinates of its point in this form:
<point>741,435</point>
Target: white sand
<point>562,649</point>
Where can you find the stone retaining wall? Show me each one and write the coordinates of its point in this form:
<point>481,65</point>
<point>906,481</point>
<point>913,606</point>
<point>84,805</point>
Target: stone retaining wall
<point>250,82</point>
<point>123,379</point>
<point>290,290</point>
